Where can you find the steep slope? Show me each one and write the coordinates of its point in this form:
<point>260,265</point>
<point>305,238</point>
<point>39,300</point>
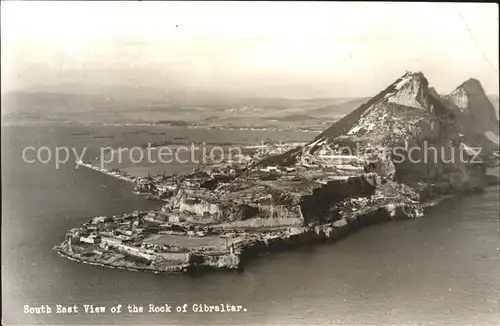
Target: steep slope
<point>475,114</point>
<point>406,133</point>
<point>474,107</point>
<point>398,113</point>
<point>494,100</point>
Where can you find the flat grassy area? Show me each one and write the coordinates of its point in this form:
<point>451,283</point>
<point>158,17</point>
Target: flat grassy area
<point>186,241</point>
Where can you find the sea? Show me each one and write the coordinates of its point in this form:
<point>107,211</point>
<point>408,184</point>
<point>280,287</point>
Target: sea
<point>440,269</point>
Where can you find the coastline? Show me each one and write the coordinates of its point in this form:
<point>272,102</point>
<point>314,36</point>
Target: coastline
<point>14,123</point>
<point>264,240</point>
<point>174,270</point>
<point>255,247</point>
<point>117,175</point>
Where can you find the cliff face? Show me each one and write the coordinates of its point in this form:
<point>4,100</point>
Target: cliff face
<point>390,115</point>
<point>318,204</point>
<point>475,114</point>
<point>198,207</point>
<point>474,107</point>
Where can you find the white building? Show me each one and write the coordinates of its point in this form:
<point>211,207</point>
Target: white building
<point>90,239</point>
<point>270,169</point>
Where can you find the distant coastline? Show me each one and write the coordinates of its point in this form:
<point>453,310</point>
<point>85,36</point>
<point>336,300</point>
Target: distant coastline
<point>7,123</point>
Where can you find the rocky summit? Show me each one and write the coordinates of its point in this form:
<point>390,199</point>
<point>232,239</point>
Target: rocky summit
<point>475,114</point>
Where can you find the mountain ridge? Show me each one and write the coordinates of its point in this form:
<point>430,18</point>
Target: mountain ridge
<point>406,114</point>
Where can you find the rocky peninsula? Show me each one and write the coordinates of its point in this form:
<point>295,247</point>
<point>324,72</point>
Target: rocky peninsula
<point>361,171</point>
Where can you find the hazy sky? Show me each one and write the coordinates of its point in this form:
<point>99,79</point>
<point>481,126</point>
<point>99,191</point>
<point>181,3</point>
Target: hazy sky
<point>272,49</point>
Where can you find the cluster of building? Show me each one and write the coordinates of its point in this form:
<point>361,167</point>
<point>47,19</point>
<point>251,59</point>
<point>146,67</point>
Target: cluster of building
<point>124,235</point>
<point>241,201</point>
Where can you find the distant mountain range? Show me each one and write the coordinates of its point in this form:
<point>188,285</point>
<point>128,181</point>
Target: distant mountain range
<point>144,105</point>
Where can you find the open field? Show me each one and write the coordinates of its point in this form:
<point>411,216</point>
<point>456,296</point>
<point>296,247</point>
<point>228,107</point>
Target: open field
<point>187,242</point>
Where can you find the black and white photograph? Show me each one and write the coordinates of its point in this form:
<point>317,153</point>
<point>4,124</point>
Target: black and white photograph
<point>250,163</point>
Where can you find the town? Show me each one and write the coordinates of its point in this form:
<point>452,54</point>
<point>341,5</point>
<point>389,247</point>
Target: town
<point>217,212</point>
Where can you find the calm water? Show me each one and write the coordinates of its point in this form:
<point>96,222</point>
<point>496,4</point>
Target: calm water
<point>444,268</point>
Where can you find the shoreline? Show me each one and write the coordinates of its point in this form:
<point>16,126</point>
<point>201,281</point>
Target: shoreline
<point>256,247</point>
<point>174,270</point>
<point>116,175</point>
<point>183,254</point>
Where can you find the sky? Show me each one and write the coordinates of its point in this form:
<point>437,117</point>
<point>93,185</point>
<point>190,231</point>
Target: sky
<point>296,49</point>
